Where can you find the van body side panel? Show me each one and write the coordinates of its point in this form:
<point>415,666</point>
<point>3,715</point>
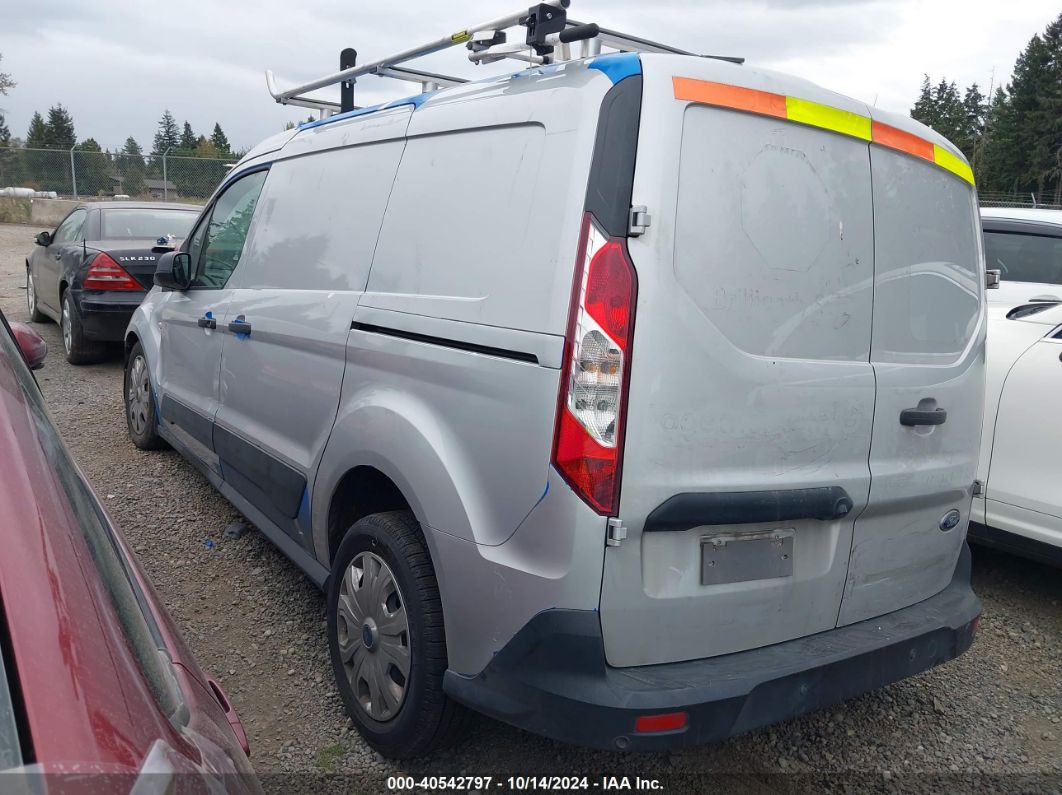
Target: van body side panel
<point>486,210</point>
<point>453,360</point>
<point>490,593</point>
<point>302,274</point>
<point>750,374</point>
<point>928,353</point>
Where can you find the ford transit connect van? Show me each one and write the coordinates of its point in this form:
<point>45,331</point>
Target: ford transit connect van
<point>632,400</point>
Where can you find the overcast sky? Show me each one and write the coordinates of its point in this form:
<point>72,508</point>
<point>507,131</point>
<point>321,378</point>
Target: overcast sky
<point>117,64</point>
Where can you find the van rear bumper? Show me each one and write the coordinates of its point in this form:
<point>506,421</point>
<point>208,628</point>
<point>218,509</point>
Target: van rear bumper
<point>552,678</point>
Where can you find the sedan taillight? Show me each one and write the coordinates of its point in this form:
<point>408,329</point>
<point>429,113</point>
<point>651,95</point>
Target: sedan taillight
<point>106,274</point>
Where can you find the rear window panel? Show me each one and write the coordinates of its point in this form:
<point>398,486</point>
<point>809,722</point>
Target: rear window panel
<point>928,264</point>
<point>130,223</point>
<point>773,238</point>
<point>1024,257</point>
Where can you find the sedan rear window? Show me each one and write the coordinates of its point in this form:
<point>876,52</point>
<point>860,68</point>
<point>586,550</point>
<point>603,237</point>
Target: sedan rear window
<point>1025,258</point>
<point>130,223</point>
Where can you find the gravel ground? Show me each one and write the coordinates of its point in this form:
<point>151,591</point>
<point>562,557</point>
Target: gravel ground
<point>991,720</point>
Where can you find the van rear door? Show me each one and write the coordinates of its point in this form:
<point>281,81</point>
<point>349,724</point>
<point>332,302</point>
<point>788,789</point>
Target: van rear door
<point>751,398</point>
<point>928,354</point>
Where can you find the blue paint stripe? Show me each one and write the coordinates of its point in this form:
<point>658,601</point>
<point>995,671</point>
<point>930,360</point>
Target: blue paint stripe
<point>617,66</point>
<point>303,516</point>
<point>416,102</point>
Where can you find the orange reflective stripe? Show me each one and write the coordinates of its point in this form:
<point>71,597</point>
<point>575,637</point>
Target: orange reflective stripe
<point>885,135</point>
<point>727,96</point>
<point>803,111</point>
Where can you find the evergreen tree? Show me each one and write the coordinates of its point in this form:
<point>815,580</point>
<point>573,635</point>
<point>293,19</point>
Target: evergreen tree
<point>975,108</point>
<point>5,80</point>
<point>1023,132</point>
<point>188,140</point>
<point>8,157</point>
<point>167,136</point>
<point>132,168</point>
<point>999,162</point>
<point>32,164</point>
<point>37,134</point>
<point>220,142</point>
<point>93,168</point>
<point>59,129</point>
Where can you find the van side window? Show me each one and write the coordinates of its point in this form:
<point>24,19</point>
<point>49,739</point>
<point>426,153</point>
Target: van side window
<point>217,243</point>
<point>319,219</point>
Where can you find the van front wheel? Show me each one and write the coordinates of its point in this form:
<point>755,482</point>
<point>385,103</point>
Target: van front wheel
<point>386,637</point>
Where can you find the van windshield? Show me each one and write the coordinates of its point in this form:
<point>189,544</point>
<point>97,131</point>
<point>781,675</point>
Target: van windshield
<point>1025,258</point>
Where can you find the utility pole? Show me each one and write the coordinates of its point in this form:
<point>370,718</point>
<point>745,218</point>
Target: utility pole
<point>73,171</point>
<point>165,179</point>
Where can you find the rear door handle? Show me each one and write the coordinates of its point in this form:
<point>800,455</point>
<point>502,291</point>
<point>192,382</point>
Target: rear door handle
<point>239,326</point>
<point>207,322</point>
<point>915,417</point>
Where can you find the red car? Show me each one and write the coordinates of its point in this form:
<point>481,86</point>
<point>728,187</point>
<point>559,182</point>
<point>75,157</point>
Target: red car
<point>95,681</point>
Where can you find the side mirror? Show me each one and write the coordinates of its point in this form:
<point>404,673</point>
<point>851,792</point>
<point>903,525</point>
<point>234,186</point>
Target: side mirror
<point>43,239</point>
<point>32,344</point>
<point>174,271</point>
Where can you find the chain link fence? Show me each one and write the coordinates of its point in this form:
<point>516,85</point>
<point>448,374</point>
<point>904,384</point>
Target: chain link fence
<point>88,175</point>
<point>1040,201</point>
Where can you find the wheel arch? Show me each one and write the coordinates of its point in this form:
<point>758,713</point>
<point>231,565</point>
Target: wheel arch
<point>386,452</point>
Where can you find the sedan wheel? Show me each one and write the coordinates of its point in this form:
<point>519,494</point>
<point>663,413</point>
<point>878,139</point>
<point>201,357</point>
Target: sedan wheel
<point>31,299</point>
<point>79,350</point>
<point>64,323</point>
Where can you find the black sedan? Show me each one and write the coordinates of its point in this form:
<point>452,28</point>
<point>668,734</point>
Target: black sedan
<point>92,272</point>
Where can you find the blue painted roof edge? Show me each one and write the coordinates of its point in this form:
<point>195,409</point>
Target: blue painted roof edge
<point>416,102</point>
<point>617,66</point>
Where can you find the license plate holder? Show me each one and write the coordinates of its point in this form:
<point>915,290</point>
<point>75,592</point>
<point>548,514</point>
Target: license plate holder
<point>741,557</point>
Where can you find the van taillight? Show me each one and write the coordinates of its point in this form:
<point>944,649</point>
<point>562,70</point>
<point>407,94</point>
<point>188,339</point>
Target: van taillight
<point>588,439</point>
<point>106,274</point>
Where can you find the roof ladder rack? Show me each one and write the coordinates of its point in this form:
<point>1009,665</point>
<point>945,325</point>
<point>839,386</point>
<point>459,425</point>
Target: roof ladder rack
<point>549,38</point>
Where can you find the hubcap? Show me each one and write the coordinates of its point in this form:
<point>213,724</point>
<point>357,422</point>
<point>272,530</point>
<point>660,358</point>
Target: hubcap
<point>138,395</point>
<point>68,336</point>
<point>31,294</point>
<point>373,637</point>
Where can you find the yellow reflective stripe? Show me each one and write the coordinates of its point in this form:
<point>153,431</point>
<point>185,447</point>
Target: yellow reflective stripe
<point>945,159</point>
<point>833,119</point>
<point>804,111</point>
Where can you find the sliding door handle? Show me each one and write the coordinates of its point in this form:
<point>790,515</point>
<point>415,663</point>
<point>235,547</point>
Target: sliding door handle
<point>239,326</point>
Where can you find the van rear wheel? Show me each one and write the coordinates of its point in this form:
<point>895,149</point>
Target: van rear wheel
<point>386,637</point>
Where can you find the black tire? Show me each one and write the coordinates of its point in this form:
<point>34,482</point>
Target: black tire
<point>77,348</point>
<point>35,314</point>
<point>140,416</point>
<point>427,719</point>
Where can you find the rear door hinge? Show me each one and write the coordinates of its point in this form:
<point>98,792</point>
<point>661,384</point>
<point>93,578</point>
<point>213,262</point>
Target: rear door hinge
<point>639,220</point>
<point>616,532</point>
<point>978,488</point>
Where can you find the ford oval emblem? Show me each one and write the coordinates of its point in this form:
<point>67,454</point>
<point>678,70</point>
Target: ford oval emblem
<point>949,520</point>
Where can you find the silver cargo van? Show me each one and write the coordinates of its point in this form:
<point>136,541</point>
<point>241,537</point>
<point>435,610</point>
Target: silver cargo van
<point>634,400</point>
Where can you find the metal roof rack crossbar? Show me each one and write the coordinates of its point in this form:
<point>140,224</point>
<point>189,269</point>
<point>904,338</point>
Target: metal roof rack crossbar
<point>548,39</point>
